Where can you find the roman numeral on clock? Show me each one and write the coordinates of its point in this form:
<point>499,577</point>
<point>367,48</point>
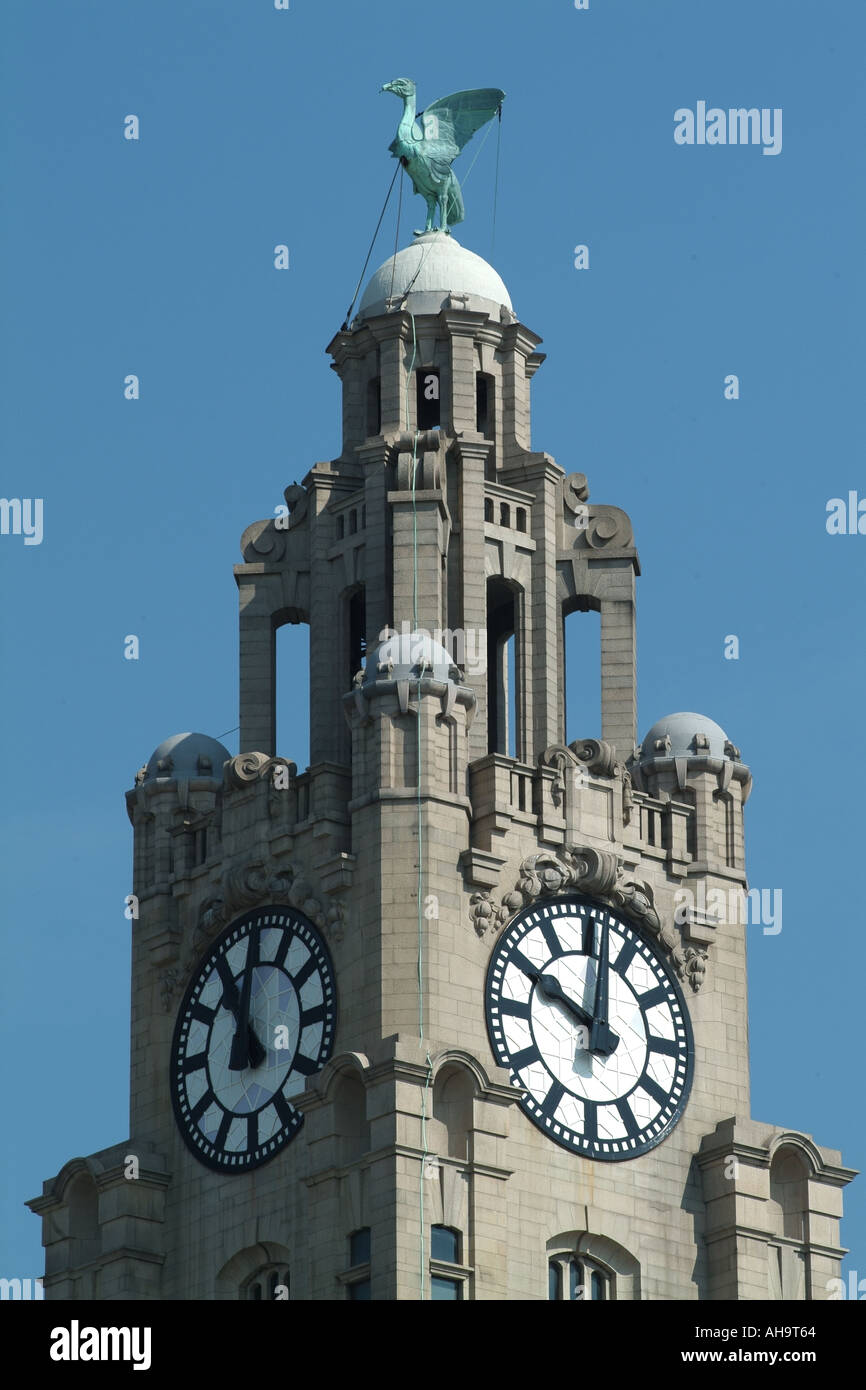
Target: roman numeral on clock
<point>194,1063</point>
<point>667,1047</point>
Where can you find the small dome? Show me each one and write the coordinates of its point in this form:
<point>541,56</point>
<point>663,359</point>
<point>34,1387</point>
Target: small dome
<point>436,266</point>
<point>406,655</point>
<point>186,755</point>
<point>685,735</point>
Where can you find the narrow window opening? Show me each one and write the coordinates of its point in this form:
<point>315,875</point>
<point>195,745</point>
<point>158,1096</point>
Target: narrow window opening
<point>521,518</point>
<point>374,405</point>
<point>504,514</point>
<point>482,414</point>
<point>353,522</point>
<point>581,668</point>
<point>359,1246</point>
<point>293,692</point>
<point>488,509</point>
<point>341,527</point>
<point>360,1290</point>
<point>503,670</point>
<point>427,391</point>
<point>356,628</point>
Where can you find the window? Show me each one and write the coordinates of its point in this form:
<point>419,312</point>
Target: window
<point>584,1279</point>
<point>482,406</point>
<point>357,1276</point>
<point>581,669</point>
<point>359,1247</point>
<point>292,691</point>
<point>504,675</point>
<point>447,1275</point>
<point>268,1283</point>
<point>445,1244</point>
<point>427,390</point>
<point>355,633</point>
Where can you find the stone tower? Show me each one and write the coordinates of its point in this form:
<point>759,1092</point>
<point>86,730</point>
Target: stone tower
<point>454,1012</point>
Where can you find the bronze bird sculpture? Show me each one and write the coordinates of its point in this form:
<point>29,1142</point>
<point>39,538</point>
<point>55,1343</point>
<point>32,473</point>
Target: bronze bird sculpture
<point>427,144</point>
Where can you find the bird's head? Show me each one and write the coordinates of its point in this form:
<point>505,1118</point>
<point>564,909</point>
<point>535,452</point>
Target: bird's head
<point>401,87</point>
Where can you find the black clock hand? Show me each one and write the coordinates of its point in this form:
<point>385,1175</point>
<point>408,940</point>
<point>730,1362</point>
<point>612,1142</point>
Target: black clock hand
<point>601,1038</point>
<point>246,1050</point>
<point>552,989</point>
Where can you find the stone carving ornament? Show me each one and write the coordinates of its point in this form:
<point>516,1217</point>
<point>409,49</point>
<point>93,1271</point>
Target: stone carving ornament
<point>243,886</point>
<point>588,755</point>
<point>599,874</point>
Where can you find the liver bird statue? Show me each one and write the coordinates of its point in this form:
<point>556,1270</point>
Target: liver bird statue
<point>427,144</point>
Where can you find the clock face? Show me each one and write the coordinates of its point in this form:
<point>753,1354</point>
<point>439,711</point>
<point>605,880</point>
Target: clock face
<point>591,1023</point>
<point>256,1022</point>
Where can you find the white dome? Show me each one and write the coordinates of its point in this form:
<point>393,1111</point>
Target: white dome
<point>406,655</point>
<point>187,755</point>
<point>436,266</point>
<point>681,731</point>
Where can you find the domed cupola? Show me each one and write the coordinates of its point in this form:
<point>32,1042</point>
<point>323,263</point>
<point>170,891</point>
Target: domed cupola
<point>186,756</point>
<point>436,273</point>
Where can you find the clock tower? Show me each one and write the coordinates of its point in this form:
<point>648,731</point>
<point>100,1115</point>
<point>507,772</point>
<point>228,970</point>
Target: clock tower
<point>459,1010</point>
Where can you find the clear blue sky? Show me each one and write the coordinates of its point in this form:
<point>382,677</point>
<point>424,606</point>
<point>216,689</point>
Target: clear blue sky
<point>156,258</point>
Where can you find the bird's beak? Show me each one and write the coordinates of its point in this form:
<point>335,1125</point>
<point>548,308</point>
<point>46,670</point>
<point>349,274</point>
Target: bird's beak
<point>386,88</point>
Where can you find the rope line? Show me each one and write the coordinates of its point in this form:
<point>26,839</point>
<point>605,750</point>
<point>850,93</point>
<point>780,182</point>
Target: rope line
<point>345,323</point>
<point>396,233</point>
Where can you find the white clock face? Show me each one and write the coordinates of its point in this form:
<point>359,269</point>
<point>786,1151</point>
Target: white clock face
<point>591,1023</point>
<point>257,1021</point>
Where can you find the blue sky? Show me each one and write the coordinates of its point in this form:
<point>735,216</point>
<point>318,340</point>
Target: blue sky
<point>155,257</point>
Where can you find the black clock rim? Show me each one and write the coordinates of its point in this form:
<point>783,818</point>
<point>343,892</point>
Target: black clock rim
<point>292,913</point>
<point>584,900</point>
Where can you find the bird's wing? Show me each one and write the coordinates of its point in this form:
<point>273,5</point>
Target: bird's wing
<point>455,119</point>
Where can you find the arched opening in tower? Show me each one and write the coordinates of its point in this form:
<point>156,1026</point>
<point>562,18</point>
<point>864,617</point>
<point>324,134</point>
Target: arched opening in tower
<point>581,671</point>
<point>504,669</point>
<point>293,693</point>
